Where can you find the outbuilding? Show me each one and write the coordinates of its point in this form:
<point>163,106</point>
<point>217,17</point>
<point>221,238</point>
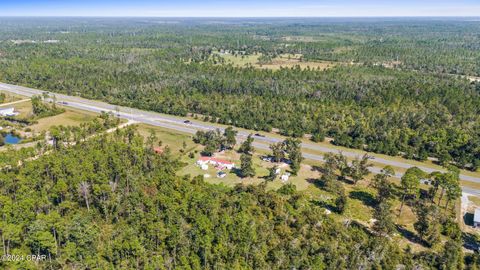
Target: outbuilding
<point>8,112</point>
<point>476,218</point>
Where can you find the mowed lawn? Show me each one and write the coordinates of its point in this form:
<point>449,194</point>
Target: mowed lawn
<point>70,117</point>
<point>175,141</point>
<point>301,181</point>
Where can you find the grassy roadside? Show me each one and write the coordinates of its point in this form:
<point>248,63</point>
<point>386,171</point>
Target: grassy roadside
<point>428,163</point>
<point>9,97</point>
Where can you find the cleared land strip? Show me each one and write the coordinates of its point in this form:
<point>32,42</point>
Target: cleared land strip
<point>177,123</point>
<point>14,102</point>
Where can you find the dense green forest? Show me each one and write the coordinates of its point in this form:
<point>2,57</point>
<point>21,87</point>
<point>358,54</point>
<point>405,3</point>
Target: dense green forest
<point>111,202</point>
<point>396,89</point>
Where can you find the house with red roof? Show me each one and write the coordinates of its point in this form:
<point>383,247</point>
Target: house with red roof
<point>216,162</point>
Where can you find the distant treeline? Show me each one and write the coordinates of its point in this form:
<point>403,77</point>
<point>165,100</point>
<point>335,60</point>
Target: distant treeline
<point>409,107</point>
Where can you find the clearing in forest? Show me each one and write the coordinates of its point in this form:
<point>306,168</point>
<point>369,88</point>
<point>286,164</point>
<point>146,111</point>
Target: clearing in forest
<point>275,63</point>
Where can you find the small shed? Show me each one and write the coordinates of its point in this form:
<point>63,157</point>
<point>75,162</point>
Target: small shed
<point>476,218</point>
<point>8,112</point>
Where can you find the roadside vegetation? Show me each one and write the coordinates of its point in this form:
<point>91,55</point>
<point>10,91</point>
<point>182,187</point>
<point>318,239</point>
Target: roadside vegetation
<point>34,118</point>
<point>389,93</point>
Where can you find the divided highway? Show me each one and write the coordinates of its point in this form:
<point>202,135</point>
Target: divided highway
<point>177,123</point>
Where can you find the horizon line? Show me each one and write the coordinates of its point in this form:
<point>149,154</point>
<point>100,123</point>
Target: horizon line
<point>234,17</point>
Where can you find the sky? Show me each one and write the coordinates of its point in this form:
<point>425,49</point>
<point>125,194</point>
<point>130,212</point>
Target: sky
<point>238,8</point>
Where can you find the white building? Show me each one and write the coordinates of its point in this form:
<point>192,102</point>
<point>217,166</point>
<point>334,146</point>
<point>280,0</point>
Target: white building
<point>476,218</point>
<point>218,163</point>
<point>8,112</point>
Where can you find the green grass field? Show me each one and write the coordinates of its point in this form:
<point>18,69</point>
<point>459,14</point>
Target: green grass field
<point>281,61</point>
<point>70,117</point>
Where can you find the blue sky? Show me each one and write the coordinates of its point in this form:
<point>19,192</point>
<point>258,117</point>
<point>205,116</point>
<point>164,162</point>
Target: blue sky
<point>236,8</point>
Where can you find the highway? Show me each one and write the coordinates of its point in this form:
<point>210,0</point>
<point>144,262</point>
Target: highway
<point>177,123</point>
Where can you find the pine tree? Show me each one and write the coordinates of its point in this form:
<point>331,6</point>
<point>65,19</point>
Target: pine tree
<point>246,147</point>
<point>385,189</point>
<point>384,224</point>
<point>272,173</point>
<point>246,166</point>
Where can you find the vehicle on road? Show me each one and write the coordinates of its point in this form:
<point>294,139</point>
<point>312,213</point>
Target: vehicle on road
<point>187,122</point>
<point>259,135</point>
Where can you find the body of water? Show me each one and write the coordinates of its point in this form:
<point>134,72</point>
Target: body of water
<point>12,139</point>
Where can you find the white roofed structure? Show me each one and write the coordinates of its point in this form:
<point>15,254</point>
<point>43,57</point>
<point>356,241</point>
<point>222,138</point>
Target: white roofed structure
<point>7,112</point>
<point>476,218</point>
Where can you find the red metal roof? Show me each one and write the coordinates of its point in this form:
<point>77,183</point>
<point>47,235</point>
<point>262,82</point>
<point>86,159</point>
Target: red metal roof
<point>221,161</point>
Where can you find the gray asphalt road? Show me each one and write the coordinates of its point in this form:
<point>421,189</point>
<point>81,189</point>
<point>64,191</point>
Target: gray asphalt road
<point>177,123</point>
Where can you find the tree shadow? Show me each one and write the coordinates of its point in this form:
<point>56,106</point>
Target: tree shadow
<point>264,177</point>
<point>355,223</point>
<point>409,235</point>
<point>326,205</point>
<point>346,180</point>
<point>318,183</point>
<point>470,242</point>
<point>468,219</point>
<point>319,169</point>
<point>364,197</point>
<point>237,172</point>
<point>424,194</point>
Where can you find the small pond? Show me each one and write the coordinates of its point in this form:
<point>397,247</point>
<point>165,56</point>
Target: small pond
<point>12,139</point>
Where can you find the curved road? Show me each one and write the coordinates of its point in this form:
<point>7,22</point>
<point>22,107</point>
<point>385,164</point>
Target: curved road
<point>177,123</point>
